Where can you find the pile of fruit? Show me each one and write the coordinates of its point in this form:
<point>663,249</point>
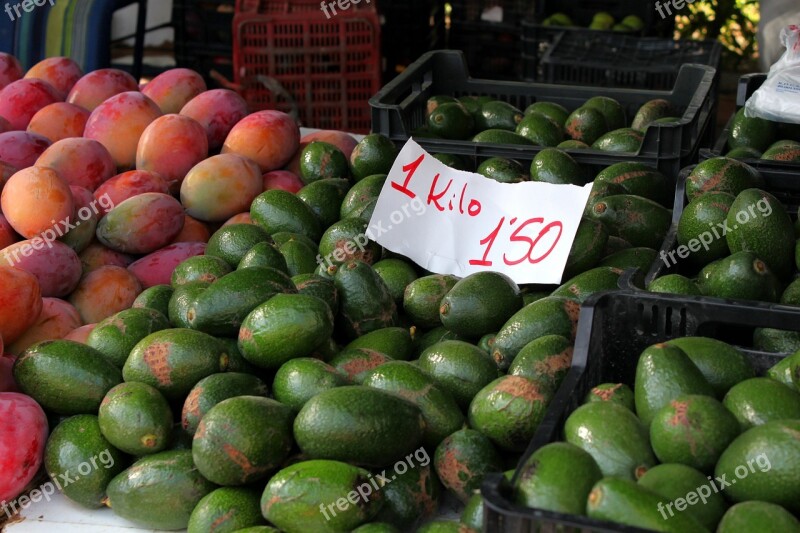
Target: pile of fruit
<point>600,21</point>
<point>600,123</point>
<point>696,442</point>
<point>189,303</point>
<point>734,239</point>
<point>193,320</point>
<point>757,138</point>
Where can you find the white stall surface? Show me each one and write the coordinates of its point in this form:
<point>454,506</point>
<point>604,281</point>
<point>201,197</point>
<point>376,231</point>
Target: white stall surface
<point>64,516</point>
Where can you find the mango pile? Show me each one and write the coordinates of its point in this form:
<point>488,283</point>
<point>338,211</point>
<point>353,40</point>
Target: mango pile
<point>190,298</point>
<point>196,331</point>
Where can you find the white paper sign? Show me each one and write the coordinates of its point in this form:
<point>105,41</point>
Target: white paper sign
<point>454,222</point>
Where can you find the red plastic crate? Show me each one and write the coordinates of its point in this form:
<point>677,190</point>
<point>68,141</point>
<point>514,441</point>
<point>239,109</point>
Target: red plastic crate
<point>330,67</point>
<point>265,7</point>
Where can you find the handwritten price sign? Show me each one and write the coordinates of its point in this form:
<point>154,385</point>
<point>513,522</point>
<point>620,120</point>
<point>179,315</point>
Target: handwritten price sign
<point>454,222</point>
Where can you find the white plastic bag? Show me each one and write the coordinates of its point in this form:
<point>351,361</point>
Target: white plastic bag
<point>778,99</point>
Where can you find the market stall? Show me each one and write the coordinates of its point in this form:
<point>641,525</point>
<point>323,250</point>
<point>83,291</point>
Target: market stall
<point>331,287</point>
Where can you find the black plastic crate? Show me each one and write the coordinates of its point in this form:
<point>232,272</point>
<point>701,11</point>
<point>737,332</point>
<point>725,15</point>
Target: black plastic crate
<point>537,38</point>
<point>422,19</point>
<point>617,60</point>
<point>582,11</point>
<point>204,36</point>
<point>747,86</point>
<point>492,48</point>
<point>491,51</point>
<point>784,187</point>
<point>399,108</point>
<point>613,330</point>
<point>513,11</point>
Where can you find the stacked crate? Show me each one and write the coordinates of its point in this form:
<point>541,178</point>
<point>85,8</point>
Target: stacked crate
<point>292,56</point>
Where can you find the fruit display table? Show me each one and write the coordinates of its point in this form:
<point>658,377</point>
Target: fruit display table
<point>326,332</point>
<point>60,514</point>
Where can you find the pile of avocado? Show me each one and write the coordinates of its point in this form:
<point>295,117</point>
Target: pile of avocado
<point>600,123</point>
<point>758,138</point>
<point>280,379</point>
<point>738,238</point>
<point>623,225</point>
<point>296,361</point>
<point>600,21</point>
<point>696,443</point>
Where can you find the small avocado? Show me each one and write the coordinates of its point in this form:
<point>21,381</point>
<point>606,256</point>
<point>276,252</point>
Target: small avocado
<point>751,132</point>
<point>586,124</point>
<point>498,115</point>
<point>650,112</point>
<point>663,373</point>
<point>741,275</point>
<point>552,165</point>
<point>451,120</point>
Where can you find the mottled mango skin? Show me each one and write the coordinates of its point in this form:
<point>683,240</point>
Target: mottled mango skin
<point>103,292</point>
<point>270,138</point>
<point>156,268</point>
<point>82,162</point>
<point>20,149</point>
<point>142,224</point>
<point>7,234</point>
<point>10,69</point>
<point>59,121</point>
<point>239,218</point>
<point>217,110</point>
<point>220,187</point>
<point>6,171</point>
<point>118,124</point>
<point>55,265</point>
<point>84,220</point>
<point>173,89</point>
<point>21,99</point>
<point>193,231</point>
<point>56,320</point>
<point>34,200</point>
<point>96,255</point>
<point>170,146</point>
<point>129,184</point>
<point>97,86</point>
<point>60,72</point>
<point>20,302</point>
